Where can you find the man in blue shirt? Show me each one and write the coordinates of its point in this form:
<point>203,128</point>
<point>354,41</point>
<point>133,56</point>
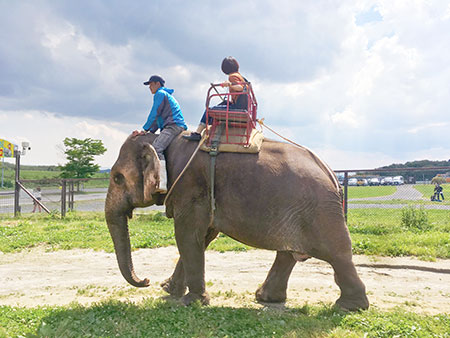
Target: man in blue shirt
<point>165,115</point>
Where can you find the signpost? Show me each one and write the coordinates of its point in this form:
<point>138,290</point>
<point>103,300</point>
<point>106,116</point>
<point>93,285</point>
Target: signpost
<point>6,150</point>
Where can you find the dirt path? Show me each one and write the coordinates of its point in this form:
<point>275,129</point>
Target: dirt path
<point>37,277</point>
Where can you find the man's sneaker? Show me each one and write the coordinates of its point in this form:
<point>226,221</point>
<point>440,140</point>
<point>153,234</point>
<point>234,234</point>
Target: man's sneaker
<point>193,137</point>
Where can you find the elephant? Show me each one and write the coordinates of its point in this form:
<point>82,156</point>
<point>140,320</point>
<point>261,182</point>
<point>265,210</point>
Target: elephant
<point>283,198</point>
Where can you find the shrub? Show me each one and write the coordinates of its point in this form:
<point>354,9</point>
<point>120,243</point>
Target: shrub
<point>438,179</point>
<point>415,218</point>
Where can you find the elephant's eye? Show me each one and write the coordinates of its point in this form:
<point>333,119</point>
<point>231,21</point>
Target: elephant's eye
<point>118,178</point>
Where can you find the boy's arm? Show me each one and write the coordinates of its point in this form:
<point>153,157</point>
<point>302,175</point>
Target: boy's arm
<point>151,124</point>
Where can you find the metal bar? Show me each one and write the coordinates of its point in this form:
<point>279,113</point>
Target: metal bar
<point>63,198</point>
<point>392,169</point>
<point>346,195</point>
<point>72,195</point>
<point>33,198</point>
<point>16,185</point>
<point>58,180</point>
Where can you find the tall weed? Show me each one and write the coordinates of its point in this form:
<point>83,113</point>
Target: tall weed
<point>415,219</point>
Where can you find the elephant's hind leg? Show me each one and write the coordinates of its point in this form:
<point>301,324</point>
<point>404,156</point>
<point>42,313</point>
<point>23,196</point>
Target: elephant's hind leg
<point>353,292</point>
<point>175,284</point>
<point>274,287</point>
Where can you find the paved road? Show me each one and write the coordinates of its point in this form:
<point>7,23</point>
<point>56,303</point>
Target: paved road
<point>403,192</point>
<point>93,200</point>
<point>89,200</point>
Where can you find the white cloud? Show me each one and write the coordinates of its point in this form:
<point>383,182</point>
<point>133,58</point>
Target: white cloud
<point>364,76</point>
<point>46,131</point>
<point>347,118</point>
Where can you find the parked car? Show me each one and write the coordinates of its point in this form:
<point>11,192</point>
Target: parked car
<point>374,181</point>
<point>387,181</point>
<point>398,180</point>
<point>352,181</point>
<point>362,182</point>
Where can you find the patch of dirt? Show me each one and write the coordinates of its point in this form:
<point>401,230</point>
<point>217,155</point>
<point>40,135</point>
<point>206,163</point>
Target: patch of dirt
<point>37,277</point>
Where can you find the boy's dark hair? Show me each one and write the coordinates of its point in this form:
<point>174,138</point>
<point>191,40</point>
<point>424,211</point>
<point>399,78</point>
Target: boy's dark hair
<point>230,65</point>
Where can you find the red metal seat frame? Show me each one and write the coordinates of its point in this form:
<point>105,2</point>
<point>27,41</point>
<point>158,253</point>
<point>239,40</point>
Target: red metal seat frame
<point>238,122</point>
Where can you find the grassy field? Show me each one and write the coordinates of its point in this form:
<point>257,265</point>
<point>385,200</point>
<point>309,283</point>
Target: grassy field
<point>46,175</point>
<point>89,230</point>
<point>165,318</point>
<point>428,189</point>
<point>371,191</point>
<point>374,232</point>
<point>381,232</point>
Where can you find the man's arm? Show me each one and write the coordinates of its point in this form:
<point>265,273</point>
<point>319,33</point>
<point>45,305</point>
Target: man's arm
<point>151,124</point>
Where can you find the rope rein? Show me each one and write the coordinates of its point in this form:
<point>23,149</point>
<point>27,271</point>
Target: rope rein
<point>185,167</point>
<point>262,124</point>
<point>328,169</point>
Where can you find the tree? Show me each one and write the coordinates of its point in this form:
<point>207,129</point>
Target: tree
<point>80,156</point>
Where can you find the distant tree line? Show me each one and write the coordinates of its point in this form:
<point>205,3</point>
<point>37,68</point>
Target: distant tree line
<point>418,175</point>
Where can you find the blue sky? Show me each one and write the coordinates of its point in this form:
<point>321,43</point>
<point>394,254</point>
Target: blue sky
<point>362,83</point>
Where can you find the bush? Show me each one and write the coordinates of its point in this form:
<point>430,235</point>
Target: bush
<point>8,184</point>
<point>438,179</point>
<point>415,218</point>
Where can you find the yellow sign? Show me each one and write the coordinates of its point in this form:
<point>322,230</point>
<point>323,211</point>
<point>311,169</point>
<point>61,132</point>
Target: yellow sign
<point>6,148</point>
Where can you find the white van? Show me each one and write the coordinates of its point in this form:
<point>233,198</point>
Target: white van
<point>398,180</point>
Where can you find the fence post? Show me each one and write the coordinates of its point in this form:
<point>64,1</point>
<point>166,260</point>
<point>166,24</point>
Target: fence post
<point>71,193</point>
<point>16,185</point>
<point>63,198</point>
<point>346,195</point>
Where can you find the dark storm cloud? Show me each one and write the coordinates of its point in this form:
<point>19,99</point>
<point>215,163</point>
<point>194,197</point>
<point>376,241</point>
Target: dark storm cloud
<point>275,43</point>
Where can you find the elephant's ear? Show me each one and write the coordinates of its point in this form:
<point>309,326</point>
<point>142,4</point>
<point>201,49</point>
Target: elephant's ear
<point>150,173</point>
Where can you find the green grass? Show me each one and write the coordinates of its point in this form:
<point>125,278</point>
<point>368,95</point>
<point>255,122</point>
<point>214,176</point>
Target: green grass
<point>380,232</point>
<point>371,191</point>
<point>9,176</point>
<point>427,190</point>
<point>373,232</point>
<point>159,318</point>
<point>399,201</point>
<point>89,230</point>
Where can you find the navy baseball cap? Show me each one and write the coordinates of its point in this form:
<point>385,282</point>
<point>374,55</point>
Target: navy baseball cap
<point>155,78</point>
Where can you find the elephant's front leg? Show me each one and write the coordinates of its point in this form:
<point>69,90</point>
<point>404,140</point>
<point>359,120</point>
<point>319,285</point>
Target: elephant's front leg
<point>176,284</point>
<point>191,245</point>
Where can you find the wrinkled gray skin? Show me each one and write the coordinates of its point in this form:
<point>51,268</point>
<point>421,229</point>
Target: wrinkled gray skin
<point>281,199</point>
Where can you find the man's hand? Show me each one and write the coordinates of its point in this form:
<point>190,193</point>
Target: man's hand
<point>138,132</point>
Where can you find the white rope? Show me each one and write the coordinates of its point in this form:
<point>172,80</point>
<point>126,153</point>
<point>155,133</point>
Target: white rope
<point>330,172</point>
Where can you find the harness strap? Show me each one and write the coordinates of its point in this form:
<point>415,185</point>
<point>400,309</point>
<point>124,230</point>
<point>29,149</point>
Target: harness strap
<point>212,169</point>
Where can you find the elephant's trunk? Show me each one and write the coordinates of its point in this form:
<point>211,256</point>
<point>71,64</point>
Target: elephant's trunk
<point>118,228</point>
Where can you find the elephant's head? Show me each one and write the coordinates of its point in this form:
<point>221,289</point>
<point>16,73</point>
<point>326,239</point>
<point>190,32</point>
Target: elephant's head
<point>133,181</point>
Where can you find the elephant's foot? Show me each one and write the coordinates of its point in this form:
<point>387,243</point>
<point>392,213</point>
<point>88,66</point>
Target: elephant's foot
<point>270,296</point>
<point>353,303</point>
<point>174,289</point>
<point>192,297</point>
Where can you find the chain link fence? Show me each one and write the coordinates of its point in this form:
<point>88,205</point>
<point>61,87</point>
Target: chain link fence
<point>56,195</point>
<point>388,189</point>
<point>395,188</point>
